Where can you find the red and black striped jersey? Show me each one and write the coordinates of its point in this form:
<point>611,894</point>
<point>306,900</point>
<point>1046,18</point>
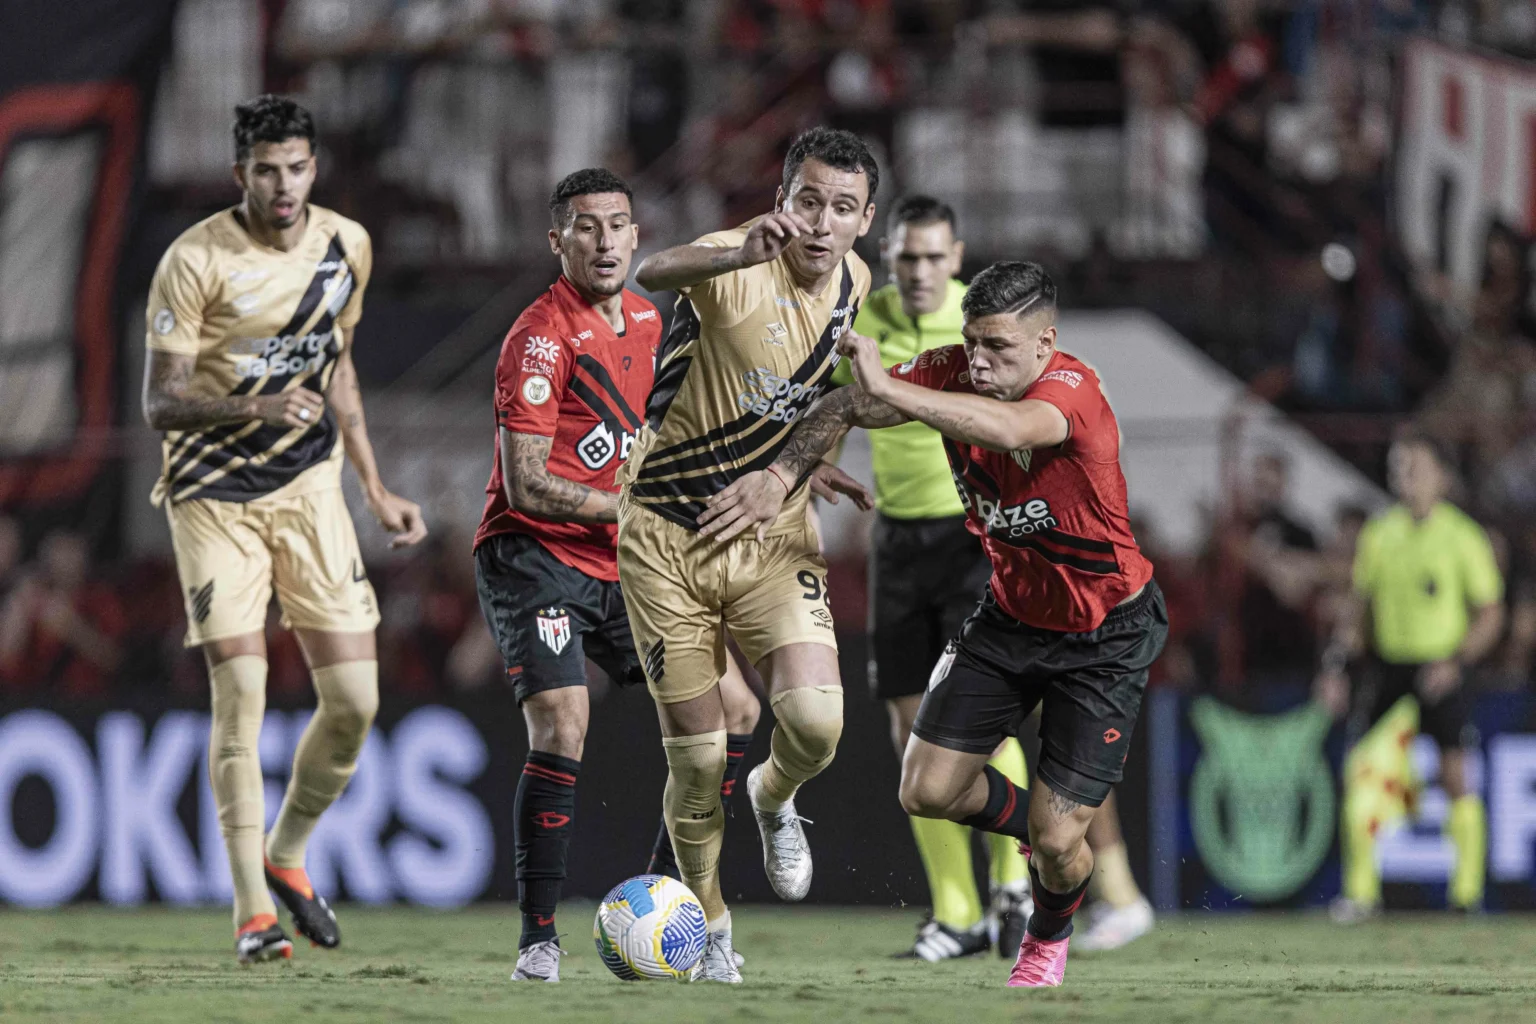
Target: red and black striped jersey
<point>1054,521</point>
<point>564,374</point>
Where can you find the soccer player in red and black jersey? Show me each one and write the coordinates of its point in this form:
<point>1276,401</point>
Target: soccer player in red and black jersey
<point>1072,619</point>
<point>572,379</point>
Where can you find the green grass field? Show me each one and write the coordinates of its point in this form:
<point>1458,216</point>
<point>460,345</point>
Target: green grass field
<point>170,967</point>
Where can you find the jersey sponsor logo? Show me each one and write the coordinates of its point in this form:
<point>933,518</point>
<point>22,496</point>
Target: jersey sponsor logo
<point>583,336</point>
<point>531,365</point>
<point>1020,520</point>
<point>936,356</point>
<point>599,446</point>
<point>247,276</point>
<point>542,348</point>
<point>536,390</point>
<point>554,628</point>
<point>1071,378</point>
<point>165,321</point>
<point>247,304</point>
<point>644,315</point>
<point>777,398</point>
<point>329,266</point>
<point>283,355</point>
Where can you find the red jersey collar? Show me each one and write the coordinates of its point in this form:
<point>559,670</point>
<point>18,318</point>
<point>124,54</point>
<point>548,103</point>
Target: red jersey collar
<point>579,309</point>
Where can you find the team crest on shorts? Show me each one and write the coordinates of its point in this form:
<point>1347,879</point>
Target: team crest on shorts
<point>554,628</point>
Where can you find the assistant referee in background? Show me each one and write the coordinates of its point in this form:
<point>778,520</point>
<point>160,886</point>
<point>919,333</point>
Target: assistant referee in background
<point>1428,604</point>
<point>927,572</point>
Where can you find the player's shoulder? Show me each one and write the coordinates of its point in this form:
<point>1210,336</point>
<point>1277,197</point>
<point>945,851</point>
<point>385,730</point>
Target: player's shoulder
<point>544,315</point>
<point>353,236</point>
<point>640,311</point>
<point>862,277</point>
<point>1067,369</point>
<point>730,238</point>
<point>939,367</point>
<point>201,246</point>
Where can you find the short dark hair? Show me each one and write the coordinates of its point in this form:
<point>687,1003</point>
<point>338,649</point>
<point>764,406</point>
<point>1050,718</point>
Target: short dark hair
<point>835,148</point>
<point>920,209</point>
<point>270,118</point>
<point>1443,454</point>
<point>1011,286</point>
<point>585,182</point>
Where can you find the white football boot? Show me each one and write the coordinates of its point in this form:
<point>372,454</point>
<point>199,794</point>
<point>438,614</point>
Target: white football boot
<point>1113,927</point>
<point>719,963</point>
<point>786,854</point>
<point>539,962</point>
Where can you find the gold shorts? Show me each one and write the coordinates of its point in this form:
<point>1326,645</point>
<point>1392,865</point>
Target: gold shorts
<point>684,590</point>
<point>230,555</point>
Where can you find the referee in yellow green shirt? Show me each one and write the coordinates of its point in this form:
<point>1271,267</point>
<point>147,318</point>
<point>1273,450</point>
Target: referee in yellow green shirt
<point>927,572</point>
<point>1428,605</point>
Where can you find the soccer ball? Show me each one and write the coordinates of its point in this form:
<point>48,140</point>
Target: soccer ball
<point>650,927</point>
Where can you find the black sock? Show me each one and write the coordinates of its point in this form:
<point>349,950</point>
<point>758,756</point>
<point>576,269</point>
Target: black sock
<point>542,812</point>
<point>1052,918</point>
<point>663,860</point>
<point>1006,811</point>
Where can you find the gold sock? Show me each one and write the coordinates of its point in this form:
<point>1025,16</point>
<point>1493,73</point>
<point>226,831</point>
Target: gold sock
<point>1468,829</point>
<point>239,701</point>
<point>326,757</point>
<point>945,847</point>
<point>810,721</point>
<point>1006,865</point>
<point>1112,880</point>
<point>691,806</point>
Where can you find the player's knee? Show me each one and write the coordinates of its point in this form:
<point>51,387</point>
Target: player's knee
<point>562,736</point>
<point>695,766</point>
<point>349,701</point>
<point>924,796</point>
<point>1060,842</point>
<point>741,719</point>
<point>810,724</point>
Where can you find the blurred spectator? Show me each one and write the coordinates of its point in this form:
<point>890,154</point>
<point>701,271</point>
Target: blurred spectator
<point>59,628</point>
<point>1278,635</point>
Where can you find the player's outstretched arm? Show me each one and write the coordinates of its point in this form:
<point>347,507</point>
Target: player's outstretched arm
<point>170,403</point>
<point>684,266</point>
<point>970,419</point>
<point>533,490</point>
<point>398,515</point>
<point>755,499</point>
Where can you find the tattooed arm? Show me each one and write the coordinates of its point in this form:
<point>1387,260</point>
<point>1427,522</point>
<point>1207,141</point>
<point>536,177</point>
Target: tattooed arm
<point>684,266</point>
<point>170,403</point>
<point>396,514</point>
<point>533,490</point>
<point>755,499</point>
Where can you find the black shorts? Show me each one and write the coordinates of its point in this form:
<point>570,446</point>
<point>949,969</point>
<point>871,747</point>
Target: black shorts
<point>926,576</point>
<point>1089,686</point>
<point>548,618</point>
<point>1448,721</point>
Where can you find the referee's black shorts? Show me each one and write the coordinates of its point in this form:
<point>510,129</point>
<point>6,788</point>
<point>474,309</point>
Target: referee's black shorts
<point>1088,686</point>
<point>926,576</point>
<point>1448,721</point>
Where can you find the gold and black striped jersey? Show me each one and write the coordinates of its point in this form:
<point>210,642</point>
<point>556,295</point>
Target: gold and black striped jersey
<point>748,352</point>
<point>258,321</point>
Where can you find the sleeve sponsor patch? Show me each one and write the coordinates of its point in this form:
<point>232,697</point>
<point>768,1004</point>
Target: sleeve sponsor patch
<point>165,321</point>
<point>1071,378</point>
<point>536,390</point>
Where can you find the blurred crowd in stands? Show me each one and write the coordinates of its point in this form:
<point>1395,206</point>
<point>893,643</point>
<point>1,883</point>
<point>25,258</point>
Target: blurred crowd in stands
<point>1245,204</point>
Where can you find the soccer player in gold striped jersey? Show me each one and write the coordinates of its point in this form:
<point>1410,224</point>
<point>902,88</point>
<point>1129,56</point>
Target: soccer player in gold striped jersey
<point>249,376</point>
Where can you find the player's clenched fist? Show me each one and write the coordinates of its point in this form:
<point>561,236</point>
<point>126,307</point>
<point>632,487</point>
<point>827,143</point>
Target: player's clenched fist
<point>298,407</point>
<point>771,236</point>
<point>863,355</point>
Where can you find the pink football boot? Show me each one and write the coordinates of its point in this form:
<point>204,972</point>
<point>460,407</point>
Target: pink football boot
<point>1041,964</point>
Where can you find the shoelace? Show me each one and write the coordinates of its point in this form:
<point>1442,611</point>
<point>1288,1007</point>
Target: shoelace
<point>718,943</point>
<point>785,839</point>
<point>543,957</point>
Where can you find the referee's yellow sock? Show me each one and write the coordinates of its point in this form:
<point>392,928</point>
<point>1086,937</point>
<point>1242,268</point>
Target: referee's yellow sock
<point>1007,866</point>
<point>326,756</point>
<point>1468,828</point>
<point>945,847</point>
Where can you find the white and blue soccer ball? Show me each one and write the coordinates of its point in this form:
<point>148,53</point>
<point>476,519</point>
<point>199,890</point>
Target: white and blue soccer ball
<point>650,927</point>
